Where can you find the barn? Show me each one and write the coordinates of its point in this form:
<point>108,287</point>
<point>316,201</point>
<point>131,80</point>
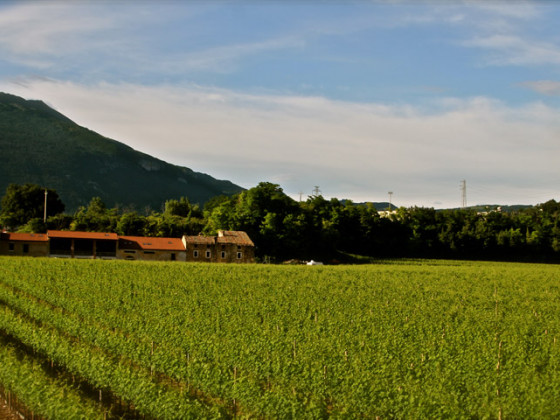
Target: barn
<point>74,244</point>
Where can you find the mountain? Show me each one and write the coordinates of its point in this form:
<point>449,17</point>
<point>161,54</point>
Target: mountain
<point>41,146</point>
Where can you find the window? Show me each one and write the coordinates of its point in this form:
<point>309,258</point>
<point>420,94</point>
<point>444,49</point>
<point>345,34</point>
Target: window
<point>208,254</point>
<point>223,255</point>
<point>173,258</point>
<point>196,245</point>
<point>129,252</point>
<point>11,246</point>
<point>239,255</point>
<point>26,248</point>
<point>195,254</point>
<point>149,252</point>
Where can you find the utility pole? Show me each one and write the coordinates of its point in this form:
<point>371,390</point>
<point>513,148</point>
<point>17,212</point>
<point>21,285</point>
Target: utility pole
<point>300,194</point>
<point>390,200</point>
<point>464,193</point>
<point>45,214</point>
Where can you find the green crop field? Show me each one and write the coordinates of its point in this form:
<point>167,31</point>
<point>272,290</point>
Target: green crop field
<point>415,339</point>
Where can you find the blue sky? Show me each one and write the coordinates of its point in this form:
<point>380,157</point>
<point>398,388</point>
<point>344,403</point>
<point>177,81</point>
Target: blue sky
<point>360,98</point>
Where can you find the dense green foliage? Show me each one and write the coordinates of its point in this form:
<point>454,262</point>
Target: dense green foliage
<point>41,146</point>
<point>412,340</point>
<point>331,230</point>
<point>320,228</point>
<point>23,203</point>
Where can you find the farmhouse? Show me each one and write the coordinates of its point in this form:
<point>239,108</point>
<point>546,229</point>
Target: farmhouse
<point>24,244</point>
<point>156,249</point>
<point>227,247</point>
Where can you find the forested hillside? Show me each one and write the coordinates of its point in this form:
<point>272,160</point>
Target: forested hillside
<point>41,146</point>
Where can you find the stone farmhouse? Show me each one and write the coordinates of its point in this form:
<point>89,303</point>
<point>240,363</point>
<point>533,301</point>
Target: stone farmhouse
<point>226,247</point>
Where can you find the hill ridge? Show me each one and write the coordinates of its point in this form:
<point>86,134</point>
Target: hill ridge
<point>42,146</point>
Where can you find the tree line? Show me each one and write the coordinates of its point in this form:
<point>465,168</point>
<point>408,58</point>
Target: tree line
<point>329,230</point>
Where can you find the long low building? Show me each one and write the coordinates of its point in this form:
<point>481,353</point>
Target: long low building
<point>226,247</point>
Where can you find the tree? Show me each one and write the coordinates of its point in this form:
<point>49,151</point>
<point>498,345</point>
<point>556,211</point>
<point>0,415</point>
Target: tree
<point>95,217</point>
<point>182,208</point>
<point>25,202</point>
<point>131,224</point>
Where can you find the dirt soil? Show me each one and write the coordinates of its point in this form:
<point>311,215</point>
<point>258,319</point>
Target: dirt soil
<point>6,413</point>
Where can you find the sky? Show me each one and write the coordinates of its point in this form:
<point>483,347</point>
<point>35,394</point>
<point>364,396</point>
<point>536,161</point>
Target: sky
<point>360,98</point>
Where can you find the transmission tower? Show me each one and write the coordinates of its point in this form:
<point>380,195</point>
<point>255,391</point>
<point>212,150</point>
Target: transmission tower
<point>390,200</point>
<point>464,193</point>
<point>316,191</point>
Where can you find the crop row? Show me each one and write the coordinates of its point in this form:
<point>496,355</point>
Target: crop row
<point>100,369</point>
<point>44,394</point>
<point>416,340</point>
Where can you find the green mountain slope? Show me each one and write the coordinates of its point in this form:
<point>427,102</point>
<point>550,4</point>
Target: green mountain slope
<point>39,145</point>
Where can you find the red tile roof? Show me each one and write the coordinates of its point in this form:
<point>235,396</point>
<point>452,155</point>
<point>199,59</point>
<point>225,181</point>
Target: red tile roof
<point>27,237</point>
<point>81,235</point>
<point>156,244</point>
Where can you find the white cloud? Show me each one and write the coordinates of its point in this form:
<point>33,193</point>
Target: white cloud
<point>515,50</point>
<point>351,150</point>
<point>225,58</point>
<point>49,28</point>
<point>50,35</point>
<point>520,10</point>
<point>546,87</point>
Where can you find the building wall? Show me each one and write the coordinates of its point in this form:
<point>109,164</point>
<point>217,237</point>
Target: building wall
<point>232,253</point>
<point>220,253</point>
<point>149,255</point>
<point>24,248</point>
<point>200,253</point>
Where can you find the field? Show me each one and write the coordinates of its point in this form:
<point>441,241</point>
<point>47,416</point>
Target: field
<point>417,339</point>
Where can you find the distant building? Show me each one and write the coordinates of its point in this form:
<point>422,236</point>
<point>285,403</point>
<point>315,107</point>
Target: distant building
<point>24,244</point>
<point>155,249</point>
<point>227,247</point>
